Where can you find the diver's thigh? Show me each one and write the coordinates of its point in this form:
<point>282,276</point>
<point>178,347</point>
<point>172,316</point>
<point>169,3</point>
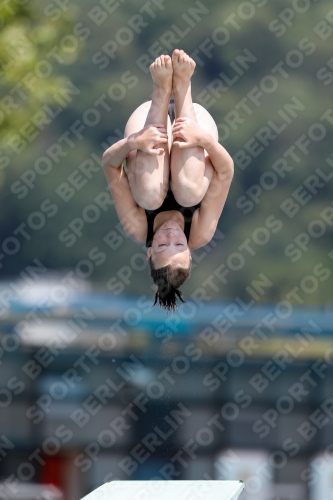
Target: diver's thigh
<point>205,120</point>
<point>137,119</point>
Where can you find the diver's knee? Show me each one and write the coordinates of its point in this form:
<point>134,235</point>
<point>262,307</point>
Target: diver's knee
<point>152,198</point>
<point>187,195</point>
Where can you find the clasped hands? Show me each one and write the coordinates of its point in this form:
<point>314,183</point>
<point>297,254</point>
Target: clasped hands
<point>185,132</point>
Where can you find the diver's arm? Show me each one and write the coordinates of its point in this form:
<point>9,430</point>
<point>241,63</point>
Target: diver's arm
<point>115,155</point>
<point>131,216</point>
<point>144,140</point>
<point>219,156</point>
<point>129,213</point>
<point>216,195</point>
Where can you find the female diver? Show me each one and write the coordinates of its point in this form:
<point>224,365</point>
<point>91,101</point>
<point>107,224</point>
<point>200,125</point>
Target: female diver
<point>177,176</point>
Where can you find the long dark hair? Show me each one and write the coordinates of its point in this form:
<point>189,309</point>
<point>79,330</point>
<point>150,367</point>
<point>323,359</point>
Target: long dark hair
<point>168,279</point>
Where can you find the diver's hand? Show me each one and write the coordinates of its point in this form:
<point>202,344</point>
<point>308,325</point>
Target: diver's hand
<point>150,139</point>
<point>187,133</point>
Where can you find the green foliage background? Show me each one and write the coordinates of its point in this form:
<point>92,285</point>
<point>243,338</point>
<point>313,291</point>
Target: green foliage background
<point>45,24</point>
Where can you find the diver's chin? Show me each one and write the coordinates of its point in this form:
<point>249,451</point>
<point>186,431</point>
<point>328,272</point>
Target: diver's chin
<point>170,224</point>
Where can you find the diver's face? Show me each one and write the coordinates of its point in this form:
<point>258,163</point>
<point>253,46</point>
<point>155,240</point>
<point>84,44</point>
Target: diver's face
<point>169,246</point>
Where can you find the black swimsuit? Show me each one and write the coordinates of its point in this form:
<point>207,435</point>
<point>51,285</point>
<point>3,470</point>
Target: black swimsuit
<point>169,204</point>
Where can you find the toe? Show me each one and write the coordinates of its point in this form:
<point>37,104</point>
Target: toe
<point>175,55</point>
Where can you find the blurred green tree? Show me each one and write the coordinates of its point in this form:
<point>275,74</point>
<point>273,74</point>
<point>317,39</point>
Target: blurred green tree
<point>33,43</point>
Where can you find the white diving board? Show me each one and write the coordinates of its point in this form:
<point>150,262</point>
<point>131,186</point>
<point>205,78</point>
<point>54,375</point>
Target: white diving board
<point>167,490</point>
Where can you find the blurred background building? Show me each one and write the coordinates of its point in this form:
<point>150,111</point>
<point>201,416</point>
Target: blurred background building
<point>97,388</point>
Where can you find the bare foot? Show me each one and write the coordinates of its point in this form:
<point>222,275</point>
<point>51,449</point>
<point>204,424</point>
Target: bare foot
<point>183,68</point>
<point>161,72</point>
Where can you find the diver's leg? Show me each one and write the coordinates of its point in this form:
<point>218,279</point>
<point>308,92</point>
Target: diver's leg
<point>191,170</point>
<point>148,175</point>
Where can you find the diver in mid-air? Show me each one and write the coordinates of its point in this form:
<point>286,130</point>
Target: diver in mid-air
<point>177,176</point>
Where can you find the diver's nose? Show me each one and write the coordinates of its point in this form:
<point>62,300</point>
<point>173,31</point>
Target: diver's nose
<point>171,235</point>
